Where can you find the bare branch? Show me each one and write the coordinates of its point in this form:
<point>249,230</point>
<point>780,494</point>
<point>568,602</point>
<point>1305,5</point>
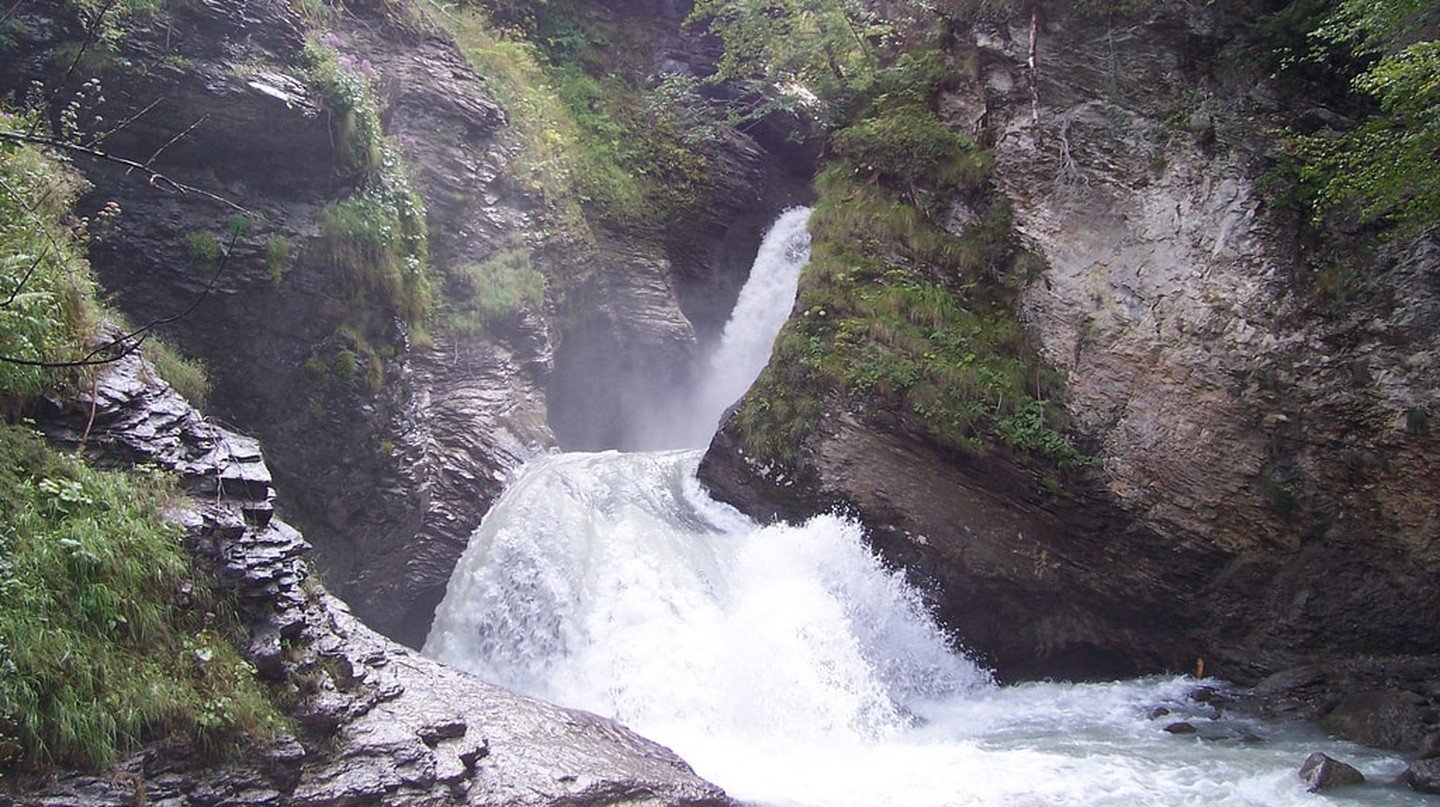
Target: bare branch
<point>97,139</point>
<point>176,139</point>
<point>130,342</point>
<point>156,178</point>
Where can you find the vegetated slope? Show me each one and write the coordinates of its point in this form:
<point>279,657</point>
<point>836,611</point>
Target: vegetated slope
<point>1070,351</point>
<point>111,636</point>
<point>434,230</point>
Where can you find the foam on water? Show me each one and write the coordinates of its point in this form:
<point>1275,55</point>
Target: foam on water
<point>788,665</point>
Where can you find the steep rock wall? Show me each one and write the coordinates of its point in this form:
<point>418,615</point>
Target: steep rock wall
<point>1255,452</point>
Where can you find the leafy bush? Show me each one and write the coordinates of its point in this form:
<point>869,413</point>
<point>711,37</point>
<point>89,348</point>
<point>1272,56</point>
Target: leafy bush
<point>203,248</point>
<point>277,251</point>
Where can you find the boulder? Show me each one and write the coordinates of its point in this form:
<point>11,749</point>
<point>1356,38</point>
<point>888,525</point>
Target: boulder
<point>1321,772</point>
<point>1423,775</point>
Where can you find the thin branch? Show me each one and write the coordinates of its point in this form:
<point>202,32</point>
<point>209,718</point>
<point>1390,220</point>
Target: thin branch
<point>96,140</point>
<point>176,139</point>
<point>139,335</point>
<point>155,176</point>
<point>10,12</point>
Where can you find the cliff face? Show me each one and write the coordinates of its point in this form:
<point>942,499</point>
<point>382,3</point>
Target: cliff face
<point>389,474</point>
<point>1256,448</point>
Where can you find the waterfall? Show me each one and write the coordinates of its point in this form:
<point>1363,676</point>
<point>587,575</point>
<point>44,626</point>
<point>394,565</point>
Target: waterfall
<point>786,663</point>
<point>691,416</point>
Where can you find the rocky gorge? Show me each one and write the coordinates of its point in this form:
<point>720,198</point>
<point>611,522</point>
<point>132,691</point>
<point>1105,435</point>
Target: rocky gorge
<point>1254,453</point>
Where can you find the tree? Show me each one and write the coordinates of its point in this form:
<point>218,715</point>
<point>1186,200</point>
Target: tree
<point>818,52</point>
<point>1387,168</point>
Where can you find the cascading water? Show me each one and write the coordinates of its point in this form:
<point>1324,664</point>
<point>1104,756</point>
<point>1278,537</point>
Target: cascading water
<point>786,664</point>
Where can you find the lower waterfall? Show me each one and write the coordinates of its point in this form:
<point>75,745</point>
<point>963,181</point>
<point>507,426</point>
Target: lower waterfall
<point>787,664</point>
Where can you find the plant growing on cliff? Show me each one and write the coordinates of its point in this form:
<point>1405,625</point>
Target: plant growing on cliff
<point>493,292</point>
<point>1387,167</point>
<point>377,238</point>
<point>109,637</point>
<point>46,295</point>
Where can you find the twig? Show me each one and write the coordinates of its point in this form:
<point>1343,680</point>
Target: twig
<point>95,141</point>
<point>155,176</point>
<point>90,360</point>
<point>176,139</point>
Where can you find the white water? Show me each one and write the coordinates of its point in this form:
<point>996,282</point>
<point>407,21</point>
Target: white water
<point>787,665</point>
<point>692,416</point>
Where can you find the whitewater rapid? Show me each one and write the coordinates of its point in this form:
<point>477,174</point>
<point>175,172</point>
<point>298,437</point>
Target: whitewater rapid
<point>790,666</point>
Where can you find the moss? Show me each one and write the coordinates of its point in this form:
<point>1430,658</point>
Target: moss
<point>910,323</point>
<point>491,293</point>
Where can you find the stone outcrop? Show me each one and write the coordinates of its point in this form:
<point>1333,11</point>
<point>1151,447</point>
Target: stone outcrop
<point>1320,772</point>
<point>1257,447</point>
<point>377,723</point>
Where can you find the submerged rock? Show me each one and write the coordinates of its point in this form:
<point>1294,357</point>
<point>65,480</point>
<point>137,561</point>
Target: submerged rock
<point>1423,775</point>
<point>1322,772</point>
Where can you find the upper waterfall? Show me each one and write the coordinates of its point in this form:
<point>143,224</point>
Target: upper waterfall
<point>690,418</point>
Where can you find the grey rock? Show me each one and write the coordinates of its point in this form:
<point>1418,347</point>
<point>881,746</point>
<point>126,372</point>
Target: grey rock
<point>1321,772</point>
<point>1423,775</point>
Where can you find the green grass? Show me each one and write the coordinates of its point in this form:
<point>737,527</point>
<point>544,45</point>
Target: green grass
<point>52,313</point>
<point>188,376</point>
<point>909,322</point>
<point>491,293</point>
<point>109,637</point>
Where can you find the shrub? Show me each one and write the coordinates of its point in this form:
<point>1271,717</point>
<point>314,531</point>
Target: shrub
<point>277,251</point>
<point>203,248</point>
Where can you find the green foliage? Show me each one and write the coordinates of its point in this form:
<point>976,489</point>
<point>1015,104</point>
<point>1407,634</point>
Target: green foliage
<point>909,321</point>
<point>46,293</point>
<point>188,376</point>
<point>277,252</point>
<point>378,238</point>
<point>355,115</point>
<point>491,293</point>
<point>594,136</point>
<point>202,248</point>
<point>108,637</point>
<point>822,53</point>
<point>908,145</point>
<point>1387,168</point>
<point>378,243</point>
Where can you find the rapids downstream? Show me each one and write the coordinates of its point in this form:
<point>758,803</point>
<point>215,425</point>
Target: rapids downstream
<point>787,664</point>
